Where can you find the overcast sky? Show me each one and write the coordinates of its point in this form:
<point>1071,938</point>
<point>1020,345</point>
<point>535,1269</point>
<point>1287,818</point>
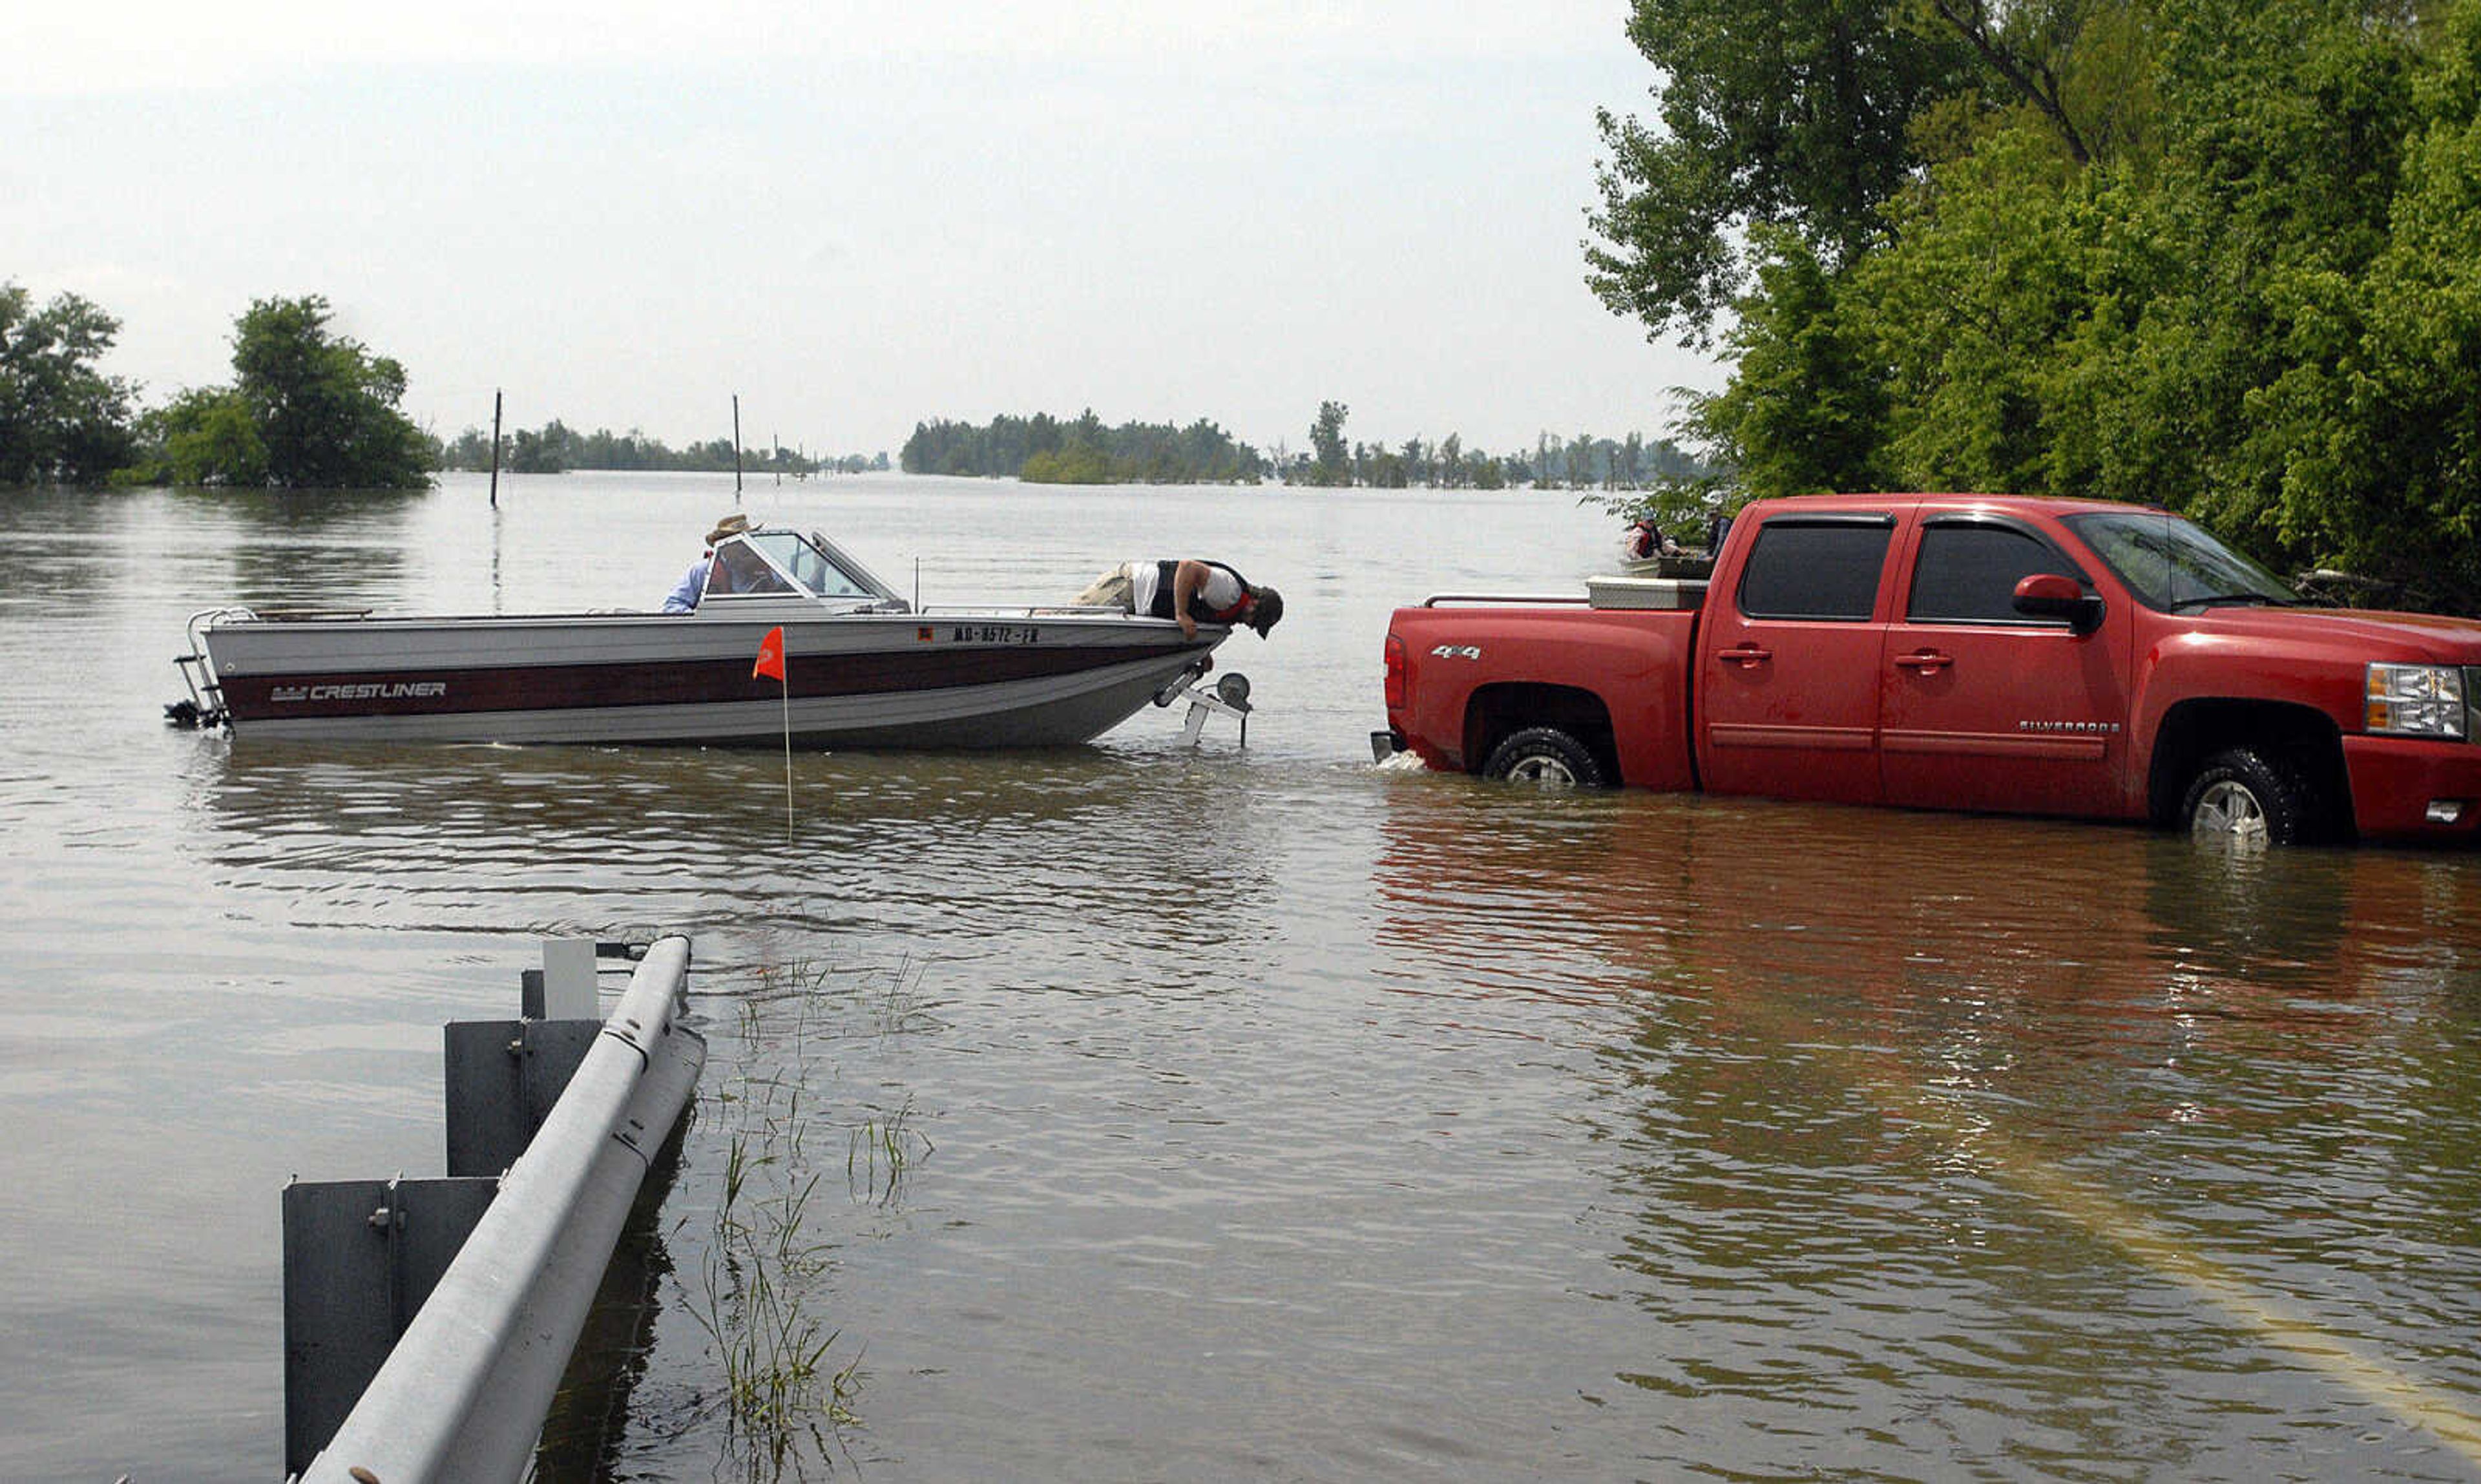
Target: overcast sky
<point>854,216</point>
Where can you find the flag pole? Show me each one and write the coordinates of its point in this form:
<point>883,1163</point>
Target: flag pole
<point>771,661</point>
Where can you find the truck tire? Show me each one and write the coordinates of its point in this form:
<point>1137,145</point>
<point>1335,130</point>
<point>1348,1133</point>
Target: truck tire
<point>1544,756</point>
<point>2246,797</point>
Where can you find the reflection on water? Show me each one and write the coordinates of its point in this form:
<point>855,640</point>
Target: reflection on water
<point>1941,1136</point>
<point>907,848</point>
<point>2059,929</point>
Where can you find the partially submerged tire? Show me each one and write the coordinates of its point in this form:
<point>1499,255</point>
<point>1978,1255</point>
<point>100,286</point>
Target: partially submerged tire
<point>1544,756</point>
<point>2249,800</point>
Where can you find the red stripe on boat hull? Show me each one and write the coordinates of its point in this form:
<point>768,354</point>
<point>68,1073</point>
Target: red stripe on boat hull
<point>600,686</point>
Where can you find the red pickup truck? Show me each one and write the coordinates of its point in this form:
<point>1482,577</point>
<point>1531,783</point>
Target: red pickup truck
<point>1993,653</point>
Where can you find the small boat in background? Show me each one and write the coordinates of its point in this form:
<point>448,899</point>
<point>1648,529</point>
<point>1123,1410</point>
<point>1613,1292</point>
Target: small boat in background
<point>1688,565</point>
<point>862,669</point>
<point>1646,551</point>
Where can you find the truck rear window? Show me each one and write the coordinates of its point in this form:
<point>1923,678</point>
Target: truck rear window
<point>1817,569</point>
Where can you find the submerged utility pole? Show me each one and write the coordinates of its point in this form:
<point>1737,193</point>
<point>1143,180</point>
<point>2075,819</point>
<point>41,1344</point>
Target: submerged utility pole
<point>736,448</point>
<point>495,448</point>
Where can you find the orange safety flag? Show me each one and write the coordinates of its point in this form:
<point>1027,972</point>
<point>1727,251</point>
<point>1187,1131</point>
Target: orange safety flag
<point>771,655</point>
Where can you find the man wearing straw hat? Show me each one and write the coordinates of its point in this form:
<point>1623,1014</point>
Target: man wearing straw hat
<point>684,598</point>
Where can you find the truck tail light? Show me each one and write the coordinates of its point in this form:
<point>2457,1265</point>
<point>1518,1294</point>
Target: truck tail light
<point>1395,672</point>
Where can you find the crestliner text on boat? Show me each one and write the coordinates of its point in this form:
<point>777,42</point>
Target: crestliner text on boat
<point>862,668</point>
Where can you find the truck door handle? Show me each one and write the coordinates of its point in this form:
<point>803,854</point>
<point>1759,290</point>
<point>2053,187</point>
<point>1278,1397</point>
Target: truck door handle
<point>1746,656</point>
<point>1925,660</point>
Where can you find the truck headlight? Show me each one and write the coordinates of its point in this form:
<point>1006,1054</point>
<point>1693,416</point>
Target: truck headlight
<point>2416,700</point>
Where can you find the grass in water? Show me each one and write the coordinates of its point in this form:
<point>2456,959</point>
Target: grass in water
<point>787,1399</point>
<point>879,1153</point>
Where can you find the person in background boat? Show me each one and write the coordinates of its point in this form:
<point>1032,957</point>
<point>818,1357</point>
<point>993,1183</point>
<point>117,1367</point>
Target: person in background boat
<point>684,596</point>
<point>1646,541</point>
<point>1188,590</point>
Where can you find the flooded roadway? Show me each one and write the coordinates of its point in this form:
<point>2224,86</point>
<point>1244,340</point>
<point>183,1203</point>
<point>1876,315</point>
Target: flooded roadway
<point>1229,1113</point>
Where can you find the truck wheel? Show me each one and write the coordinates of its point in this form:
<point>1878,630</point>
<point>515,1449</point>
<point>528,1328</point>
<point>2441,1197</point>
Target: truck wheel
<point>2248,798</point>
<point>1544,756</point>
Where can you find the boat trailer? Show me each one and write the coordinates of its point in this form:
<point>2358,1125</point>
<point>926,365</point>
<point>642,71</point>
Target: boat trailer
<point>1228,697</point>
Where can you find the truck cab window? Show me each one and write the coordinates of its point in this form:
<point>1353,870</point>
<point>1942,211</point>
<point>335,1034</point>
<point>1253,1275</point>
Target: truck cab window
<point>2167,562</point>
<point>1816,569</point>
<point>1967,574</point>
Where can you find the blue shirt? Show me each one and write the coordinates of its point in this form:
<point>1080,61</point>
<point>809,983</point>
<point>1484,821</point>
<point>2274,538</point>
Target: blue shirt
<point>684,598</point>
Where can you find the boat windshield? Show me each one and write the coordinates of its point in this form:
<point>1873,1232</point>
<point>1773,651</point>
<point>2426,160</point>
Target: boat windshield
<point>2170,563</point>
<point>781,561</point>
<point>737,570</point>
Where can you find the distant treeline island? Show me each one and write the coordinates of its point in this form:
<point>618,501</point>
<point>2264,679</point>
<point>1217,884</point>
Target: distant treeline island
<point>557,448</point>
<point>309,409</point>
<point>1043,449</point>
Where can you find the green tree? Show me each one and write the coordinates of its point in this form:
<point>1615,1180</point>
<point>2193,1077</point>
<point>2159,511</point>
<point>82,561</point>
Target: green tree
<point>61,419</point>
<point>1806,117</point>
<point>1791,114</point>
<point>206,436</point>
<point>470,449</point>
<point>551,451</point>
<point>324,406</point>
<point>1079,463</point>
<point>1948,347</point>
<point>2254,292</point>
<point>1330,464</point>
<point>1044,450</point>
<point>1806,408</point>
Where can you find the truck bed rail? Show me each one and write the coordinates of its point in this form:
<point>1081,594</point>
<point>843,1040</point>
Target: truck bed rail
<point>1442,599</point>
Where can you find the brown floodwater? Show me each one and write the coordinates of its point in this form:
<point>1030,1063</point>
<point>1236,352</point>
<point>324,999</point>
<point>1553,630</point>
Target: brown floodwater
<point>1134,1112</point>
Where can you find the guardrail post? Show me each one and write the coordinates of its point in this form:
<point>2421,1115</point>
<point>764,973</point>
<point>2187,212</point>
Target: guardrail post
<point>463,1346</point>
<point>361,1258</point>
<point>504,1077</point>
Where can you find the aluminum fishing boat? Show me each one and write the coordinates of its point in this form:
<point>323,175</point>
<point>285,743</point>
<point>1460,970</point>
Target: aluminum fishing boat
<point>862,669</point>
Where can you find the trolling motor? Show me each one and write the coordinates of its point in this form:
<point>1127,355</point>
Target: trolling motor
<point>1228,697</point>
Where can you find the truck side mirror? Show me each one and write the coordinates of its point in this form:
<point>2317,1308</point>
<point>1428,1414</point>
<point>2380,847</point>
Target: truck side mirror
<point>2053,595</point>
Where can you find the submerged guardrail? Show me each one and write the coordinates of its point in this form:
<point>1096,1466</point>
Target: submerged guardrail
<point>463,1389</point>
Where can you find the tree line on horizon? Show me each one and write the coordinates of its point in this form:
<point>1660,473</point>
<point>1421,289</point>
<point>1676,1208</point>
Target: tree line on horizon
<point>1043,449</point>
<point>1046,450</point>
<point>309,409</point>
<point>2218,256</point>
<point>555,448</point>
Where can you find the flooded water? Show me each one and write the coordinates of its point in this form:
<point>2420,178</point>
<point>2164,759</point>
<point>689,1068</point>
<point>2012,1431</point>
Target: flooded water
<point>1134,1112</point>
